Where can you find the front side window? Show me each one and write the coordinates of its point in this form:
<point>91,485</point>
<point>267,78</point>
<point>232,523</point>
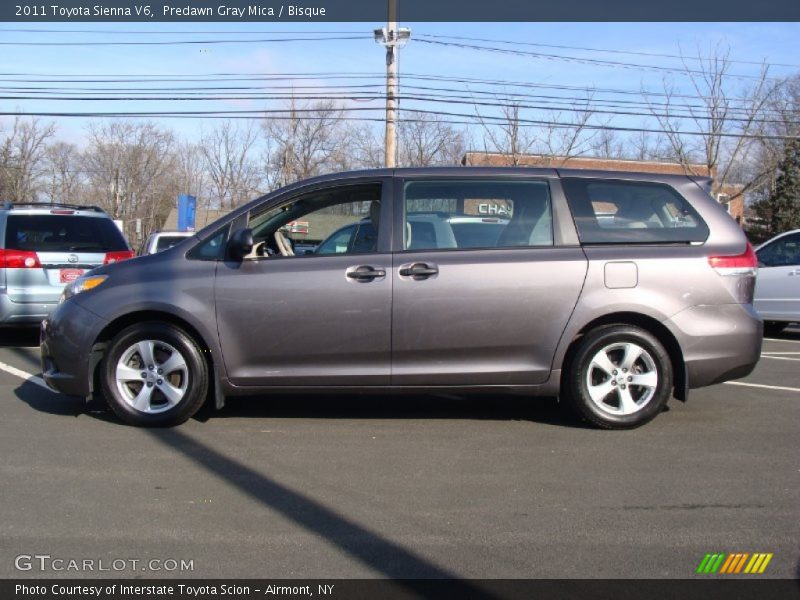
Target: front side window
<point>340,220</point>
<point>784,252</point>
<point>464,214</point>
<point>610,211</point>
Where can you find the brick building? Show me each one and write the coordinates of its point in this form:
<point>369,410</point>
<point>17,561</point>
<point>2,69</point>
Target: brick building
<point>731,195</point>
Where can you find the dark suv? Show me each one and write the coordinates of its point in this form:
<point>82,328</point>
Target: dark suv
<point>43,247</point>
<point>614,291</point>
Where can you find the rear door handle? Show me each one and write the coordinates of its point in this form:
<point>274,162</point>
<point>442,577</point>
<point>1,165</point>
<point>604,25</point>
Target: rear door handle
<point>795,272</point>
<point>418,271</point>
<point>365,273</point>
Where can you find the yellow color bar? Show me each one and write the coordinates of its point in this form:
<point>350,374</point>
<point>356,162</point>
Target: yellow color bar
<point>752,563</point>
<point>765,563</point>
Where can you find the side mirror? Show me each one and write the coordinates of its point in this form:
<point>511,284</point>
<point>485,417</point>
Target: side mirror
<point>240,244</point>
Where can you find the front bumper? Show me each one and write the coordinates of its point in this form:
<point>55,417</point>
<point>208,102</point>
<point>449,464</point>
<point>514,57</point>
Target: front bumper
<point>67,336</point>
<point>719,343</point>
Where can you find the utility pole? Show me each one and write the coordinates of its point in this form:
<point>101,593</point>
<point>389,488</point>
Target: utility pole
<point>393,38</point>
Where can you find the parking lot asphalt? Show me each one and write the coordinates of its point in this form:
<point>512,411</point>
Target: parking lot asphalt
<point>341,487</point>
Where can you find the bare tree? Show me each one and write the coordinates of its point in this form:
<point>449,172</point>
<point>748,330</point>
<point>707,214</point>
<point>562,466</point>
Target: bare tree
<point>364,145</point>
<point>784,123</point>
<point>426,140</point>
<point>726,114</point>
<point>607,144</point>
<point>22,154</point>
<point>131,170</point>
<point>555,136</point>
<point>508,137</point>
<point>65,181</point>
<point>229,153</point>
<point>308,141</point>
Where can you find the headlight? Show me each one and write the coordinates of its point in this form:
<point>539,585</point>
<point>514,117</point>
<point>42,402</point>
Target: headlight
<point>81,284</point>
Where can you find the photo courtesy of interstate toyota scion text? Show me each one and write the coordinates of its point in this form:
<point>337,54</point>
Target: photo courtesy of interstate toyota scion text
<point>612,291</point>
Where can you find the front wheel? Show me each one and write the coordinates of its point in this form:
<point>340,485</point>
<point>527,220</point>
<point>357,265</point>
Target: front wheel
<point>620,377</point>
<point>154,375</point>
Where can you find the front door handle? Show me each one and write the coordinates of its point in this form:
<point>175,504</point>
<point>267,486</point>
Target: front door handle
<point>365,273</point>
<point>418,271</point>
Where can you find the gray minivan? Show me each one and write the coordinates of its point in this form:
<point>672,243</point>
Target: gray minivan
<point>614,291</point>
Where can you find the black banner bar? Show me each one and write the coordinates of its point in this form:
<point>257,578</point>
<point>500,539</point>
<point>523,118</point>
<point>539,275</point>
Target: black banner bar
<point>402,589</point>
<point>375,11</point>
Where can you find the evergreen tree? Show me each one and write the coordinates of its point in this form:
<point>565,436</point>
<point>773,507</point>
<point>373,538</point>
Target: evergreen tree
<point>780,211</point>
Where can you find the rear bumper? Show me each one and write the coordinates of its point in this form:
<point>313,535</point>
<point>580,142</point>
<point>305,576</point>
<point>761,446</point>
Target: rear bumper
<point>23,313</point>
<point>67,336</point>
<point>719,343</point>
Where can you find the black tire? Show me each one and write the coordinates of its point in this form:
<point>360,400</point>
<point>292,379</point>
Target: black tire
<point>171,397</point>
<point>772,328</point>
<point>653,368</point>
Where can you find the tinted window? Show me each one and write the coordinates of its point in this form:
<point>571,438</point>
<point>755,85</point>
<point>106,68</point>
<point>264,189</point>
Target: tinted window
<point>63,233</point>
<point>167,241</point>
<point>213,248</point>
<point>477,214</point>
<point>608,211</point>
<point>334,220</point>
<point>337,243</point>
<point>781,253</point>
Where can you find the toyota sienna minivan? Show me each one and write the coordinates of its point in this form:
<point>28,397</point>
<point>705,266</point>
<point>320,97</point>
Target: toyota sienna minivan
<point>613,291</point>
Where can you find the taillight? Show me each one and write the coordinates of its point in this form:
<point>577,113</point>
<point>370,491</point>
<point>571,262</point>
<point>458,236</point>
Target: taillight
<point>19,259</point>
<point>745,263</point>
<point>112,257</point>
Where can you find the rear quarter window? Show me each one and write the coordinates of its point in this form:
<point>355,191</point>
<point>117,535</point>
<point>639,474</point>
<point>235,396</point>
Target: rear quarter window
<point>614,212</point>
<point>63,233</point>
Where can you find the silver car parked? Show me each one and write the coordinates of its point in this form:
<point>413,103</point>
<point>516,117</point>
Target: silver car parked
<point>777,295</point>
<point>614,291</point>
<point>44,247</point>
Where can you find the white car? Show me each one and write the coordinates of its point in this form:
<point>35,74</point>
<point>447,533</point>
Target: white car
<point>777,295</point>
<point>161,240</point>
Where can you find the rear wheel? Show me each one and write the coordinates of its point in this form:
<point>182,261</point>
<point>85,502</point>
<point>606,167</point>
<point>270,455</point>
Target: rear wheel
<point>153,374</point>
<point>620,377</point>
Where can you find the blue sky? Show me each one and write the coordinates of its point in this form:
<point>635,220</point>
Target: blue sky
<point>773,42</point>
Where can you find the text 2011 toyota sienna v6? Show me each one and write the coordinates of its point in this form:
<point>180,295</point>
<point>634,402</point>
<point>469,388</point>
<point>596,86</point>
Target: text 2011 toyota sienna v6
<point>614,291</point>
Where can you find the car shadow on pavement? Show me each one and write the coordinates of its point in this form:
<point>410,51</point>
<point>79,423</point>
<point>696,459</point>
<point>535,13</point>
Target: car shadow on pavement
<point>19,337</point>
<point>50,402</point>
<point>480,407</point>
<point>368,547</point>
<point>396,406</point>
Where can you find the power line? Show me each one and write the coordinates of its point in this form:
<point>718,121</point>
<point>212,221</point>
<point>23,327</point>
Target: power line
<point>296,114</point>
<point>589,61</point>
<point>586,106</point>
<point>247,77</point>
<point>605,50</point>
<point>434,36</point>
<point>346,92</point>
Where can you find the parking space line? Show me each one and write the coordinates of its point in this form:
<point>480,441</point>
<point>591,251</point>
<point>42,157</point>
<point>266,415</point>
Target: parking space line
<point>24,375</point>
<point>778,352</point>
<point>779,357</point>
<point>777,340</point>
<point>761,385</point>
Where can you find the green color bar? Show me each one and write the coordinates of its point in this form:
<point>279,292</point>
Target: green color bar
<point>703,564</point>
<point>718,564</point>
